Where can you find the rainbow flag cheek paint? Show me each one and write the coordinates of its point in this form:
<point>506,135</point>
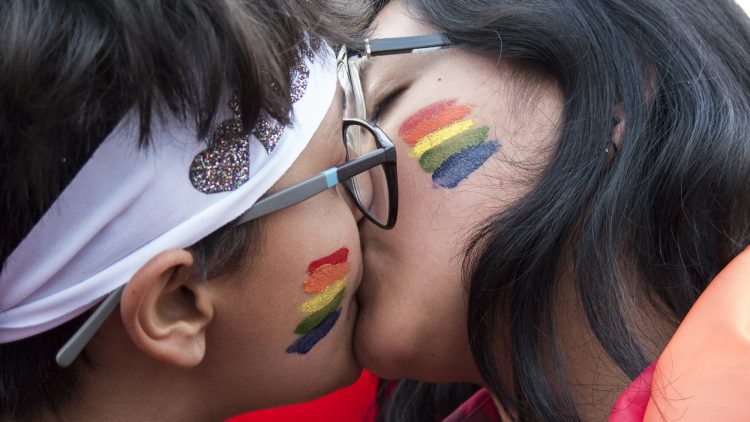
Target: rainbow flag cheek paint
<point>326,283</point>
<point>448,143</point>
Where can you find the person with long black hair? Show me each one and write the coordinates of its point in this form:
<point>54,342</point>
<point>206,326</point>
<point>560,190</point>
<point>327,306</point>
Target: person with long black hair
<point>574,175</point>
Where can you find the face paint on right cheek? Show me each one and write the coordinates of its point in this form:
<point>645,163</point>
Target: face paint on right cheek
<point>326,282</point>
<point>448,142</point>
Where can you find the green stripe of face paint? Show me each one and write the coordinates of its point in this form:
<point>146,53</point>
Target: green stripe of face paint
<point>433,158</point>
<point>312,321</point>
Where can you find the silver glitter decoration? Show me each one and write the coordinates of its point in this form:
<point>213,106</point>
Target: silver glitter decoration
<point>300,75</point>
<point>225,165</point>
<point>268,132</point>
<point>309,48</point>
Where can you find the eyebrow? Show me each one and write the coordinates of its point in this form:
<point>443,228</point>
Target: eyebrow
<point>342,101</point>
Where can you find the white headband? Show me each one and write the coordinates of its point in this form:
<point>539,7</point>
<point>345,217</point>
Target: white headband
<point>127,204</point>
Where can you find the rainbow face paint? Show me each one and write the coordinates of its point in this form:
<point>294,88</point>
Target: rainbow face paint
<point>447,141</point>
<point>327,283</point>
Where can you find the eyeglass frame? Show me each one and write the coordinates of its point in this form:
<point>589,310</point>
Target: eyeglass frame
<point>411,44</point>
<point>384,155</point>
<point>382,47</point>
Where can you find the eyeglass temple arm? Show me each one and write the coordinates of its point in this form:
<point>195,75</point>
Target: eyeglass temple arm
<point>298,193</point>
<point>366,162</point>
<point>73,347</point>
<point>290,196</point>
<point>385,46</point>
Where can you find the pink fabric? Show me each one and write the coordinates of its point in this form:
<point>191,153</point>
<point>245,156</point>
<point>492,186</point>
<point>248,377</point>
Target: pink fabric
<point>478,408</point>
<point>631,405</point>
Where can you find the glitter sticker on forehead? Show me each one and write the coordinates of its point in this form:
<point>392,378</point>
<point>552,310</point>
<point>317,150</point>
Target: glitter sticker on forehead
<point>225,165</point>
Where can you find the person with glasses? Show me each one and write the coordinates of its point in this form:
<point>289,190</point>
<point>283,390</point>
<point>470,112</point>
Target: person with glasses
<point>180,208</point>
<point>574,209</point>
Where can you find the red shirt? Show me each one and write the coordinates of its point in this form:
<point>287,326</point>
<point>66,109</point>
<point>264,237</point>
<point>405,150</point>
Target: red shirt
<point>353,403</point>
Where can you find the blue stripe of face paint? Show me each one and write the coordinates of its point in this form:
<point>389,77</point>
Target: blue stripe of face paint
<point>460,165</point>
<point>303,344</point>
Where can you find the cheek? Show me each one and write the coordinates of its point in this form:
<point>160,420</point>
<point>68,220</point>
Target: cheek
<point>321,244</point>
<point>413,314</point>
<point>413,279</point>
<point>290,321</point>
<point>447,141</point>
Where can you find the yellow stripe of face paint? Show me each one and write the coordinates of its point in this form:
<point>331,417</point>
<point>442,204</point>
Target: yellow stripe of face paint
<point>323,298</point>
<point>439,136</point>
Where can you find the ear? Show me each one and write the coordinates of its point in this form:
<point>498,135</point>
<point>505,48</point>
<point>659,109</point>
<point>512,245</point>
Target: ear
<point>165,311</point>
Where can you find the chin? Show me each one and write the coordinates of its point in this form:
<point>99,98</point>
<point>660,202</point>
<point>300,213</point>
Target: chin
<point>393,349</point>
<point>388,354</point>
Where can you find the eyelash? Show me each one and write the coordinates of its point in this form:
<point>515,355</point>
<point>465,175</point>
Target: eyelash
<point>384,104</point>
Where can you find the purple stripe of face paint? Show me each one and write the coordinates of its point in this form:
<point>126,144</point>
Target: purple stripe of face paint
<point>460,165</point>
<point>303,344</point>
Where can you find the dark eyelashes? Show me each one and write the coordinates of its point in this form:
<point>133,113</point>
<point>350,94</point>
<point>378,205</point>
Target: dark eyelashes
<point>383,105</point>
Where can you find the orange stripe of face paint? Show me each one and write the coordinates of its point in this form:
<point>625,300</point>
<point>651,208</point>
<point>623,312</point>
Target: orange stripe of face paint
<point>444,118</point>
<point>425,113</point>
<point>326,275</point>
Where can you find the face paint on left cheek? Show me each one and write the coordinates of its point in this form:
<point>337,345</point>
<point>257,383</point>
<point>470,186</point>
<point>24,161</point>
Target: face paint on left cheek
<point>327,282</point>
<point>448,143</point>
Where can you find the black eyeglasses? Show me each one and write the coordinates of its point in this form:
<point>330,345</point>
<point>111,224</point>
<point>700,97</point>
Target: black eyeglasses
<point>351,63</point>
<point>369,175</point>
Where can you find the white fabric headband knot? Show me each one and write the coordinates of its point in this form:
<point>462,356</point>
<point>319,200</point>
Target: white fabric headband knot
<point>128,204</point>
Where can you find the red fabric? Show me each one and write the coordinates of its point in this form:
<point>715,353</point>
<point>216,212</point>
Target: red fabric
<point>353,403</point>
<point>631,405</point>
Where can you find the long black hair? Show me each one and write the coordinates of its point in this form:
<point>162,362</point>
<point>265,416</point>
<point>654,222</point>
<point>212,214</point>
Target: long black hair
<point>659,221</point>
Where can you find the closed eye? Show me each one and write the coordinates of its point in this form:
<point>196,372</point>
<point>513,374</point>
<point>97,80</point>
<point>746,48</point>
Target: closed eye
<point>383,106</point>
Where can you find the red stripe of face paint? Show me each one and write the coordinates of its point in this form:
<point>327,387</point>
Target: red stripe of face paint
<point>424,114</point>
<point>442,119</point>
<point>338,257</point>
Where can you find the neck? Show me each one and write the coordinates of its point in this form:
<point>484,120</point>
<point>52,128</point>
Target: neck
<point>121,383</point>
<point>595,381</point>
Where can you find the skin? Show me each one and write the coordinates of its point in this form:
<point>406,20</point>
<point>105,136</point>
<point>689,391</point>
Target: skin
<point>413,294</point>
<point>182,349</point>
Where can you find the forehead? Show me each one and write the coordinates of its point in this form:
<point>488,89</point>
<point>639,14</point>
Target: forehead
<point>384,73</point>
<point>396,21</point>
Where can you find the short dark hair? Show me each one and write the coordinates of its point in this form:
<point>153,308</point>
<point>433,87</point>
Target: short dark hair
<point>661,220</point>
<point>70,70</point>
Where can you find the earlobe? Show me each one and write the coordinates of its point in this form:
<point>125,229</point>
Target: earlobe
<point>166,311</point>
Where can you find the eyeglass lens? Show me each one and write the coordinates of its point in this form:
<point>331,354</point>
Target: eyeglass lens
<point>369,188</point>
